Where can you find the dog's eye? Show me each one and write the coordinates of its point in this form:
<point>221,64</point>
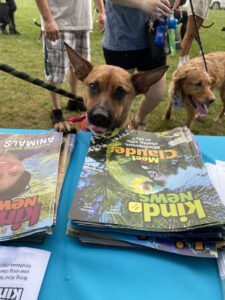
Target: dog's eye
<point>93,87</point>
<point>120,93</point>
<point>199,83</point>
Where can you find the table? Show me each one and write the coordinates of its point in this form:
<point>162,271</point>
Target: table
<point>83,272</point>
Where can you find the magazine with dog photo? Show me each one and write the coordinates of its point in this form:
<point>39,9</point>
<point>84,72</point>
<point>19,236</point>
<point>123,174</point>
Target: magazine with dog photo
<point>146,182</point>
<point>28,179</point>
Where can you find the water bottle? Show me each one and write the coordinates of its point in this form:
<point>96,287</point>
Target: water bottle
<point>160,34</point>
<point>172,25</point>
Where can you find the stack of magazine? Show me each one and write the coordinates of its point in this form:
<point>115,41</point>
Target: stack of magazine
<point>32,170</point>
<point>148,190</point>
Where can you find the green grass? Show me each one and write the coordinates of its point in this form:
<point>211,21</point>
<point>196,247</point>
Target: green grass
<point>24,105</point>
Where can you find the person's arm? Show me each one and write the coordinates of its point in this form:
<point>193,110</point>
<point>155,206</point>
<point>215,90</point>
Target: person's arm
<point>101,13</point>
<point>148,6</point>
<point>51,27</point>
<point>176,4</point>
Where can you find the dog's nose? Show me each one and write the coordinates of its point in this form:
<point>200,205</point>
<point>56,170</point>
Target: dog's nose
<point>211,100</point>
<point>100,116</point>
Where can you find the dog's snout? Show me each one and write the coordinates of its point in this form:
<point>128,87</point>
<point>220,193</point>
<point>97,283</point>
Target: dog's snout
<point>211,100</point>
<point>100,116</point>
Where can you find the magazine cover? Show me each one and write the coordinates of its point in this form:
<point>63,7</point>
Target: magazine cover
<point>147,181</point>
<point>28,180</point>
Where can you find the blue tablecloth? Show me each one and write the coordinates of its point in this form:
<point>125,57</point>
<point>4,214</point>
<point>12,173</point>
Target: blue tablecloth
<point>97,273</point>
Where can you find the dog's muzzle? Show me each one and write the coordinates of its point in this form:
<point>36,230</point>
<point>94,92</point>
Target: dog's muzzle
<point>100,119</point>
<point>201,108</point>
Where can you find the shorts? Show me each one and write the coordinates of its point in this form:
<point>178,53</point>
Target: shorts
<point>55,56</point>
<point>201,8</point>
<point>142,60</point>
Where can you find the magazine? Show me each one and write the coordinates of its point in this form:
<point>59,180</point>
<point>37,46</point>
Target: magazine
<point>194,248</point>
<point>68,144</point>
<point>149,182</point>
<point>29,174</point>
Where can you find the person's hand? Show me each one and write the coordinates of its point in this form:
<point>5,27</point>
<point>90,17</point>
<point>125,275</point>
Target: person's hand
<point>176,4</point>
<point>101,22</point>
<point>51,30</point>
<point>159,7</point>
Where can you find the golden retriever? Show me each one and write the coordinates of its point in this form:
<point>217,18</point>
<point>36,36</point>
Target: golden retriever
<point>192,86</point>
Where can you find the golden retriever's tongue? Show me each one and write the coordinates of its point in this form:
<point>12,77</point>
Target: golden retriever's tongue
<point>202,109</point>
<point>97,129</point>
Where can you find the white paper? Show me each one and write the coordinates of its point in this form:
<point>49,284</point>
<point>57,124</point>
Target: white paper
<point>21,272</point>
<point>217,177</point>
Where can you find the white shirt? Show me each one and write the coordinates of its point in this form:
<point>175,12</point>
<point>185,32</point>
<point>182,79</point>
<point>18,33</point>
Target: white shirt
<point>71,14</point>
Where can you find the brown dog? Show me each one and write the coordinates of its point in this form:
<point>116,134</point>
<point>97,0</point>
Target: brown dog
<point>108,94</point>
<point>193,87</point>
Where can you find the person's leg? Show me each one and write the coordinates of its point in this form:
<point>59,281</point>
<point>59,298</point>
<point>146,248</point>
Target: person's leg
<point>150,59</point>
<point>54,72</point>
<point>189,36</point>
<point>55,97</point>
<point>149,102</point>
<point>74,105</point>
<point>56,114</point>
<point>73,81</point>
<point>79,41</point>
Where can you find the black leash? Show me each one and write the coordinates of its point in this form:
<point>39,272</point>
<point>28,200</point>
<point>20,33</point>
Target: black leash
<point>41,83</point>
<point>198,36</point>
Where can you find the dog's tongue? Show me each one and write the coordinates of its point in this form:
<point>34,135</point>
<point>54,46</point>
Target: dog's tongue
<point>202,109</point>
<point>97,129</point>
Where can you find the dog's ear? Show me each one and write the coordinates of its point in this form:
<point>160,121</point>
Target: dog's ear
<point>177,78</point>
<point>82,66</point>
<point>143,80</point>
<point>175,87</point>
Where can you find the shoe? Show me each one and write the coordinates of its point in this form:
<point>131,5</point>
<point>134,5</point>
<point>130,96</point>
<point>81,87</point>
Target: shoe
<point>56,116</point>
<point>74,105</point>
<point>14,31</point>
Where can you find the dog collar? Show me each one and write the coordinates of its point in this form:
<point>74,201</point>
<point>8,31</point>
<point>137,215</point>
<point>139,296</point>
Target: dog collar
<point>176,101</point>
<point>81,119</point>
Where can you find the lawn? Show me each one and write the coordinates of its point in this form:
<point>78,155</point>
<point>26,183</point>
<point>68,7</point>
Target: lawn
<point>24,105</point>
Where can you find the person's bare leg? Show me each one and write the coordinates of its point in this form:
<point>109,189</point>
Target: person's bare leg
<point>73,81</point>
<point>74,105</point>
<point>189,36</point>
<point>56,114</point>
<point>55,98</point>
<point>149,102</point>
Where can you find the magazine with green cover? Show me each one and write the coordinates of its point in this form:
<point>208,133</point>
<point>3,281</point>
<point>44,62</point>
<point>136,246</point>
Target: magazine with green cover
<point>146,181</point>
<point>28,179</point>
